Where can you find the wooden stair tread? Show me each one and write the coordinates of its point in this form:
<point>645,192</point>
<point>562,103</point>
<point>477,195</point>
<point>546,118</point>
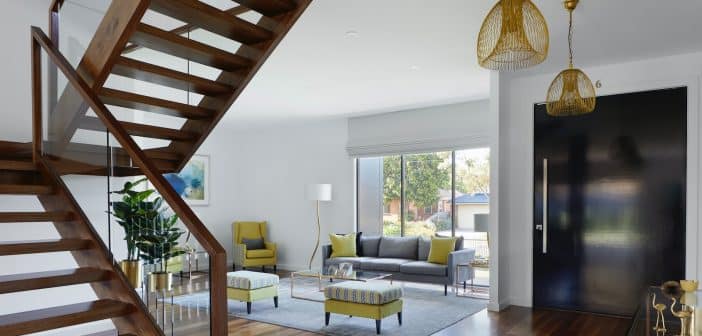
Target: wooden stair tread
<point>17,164</point>
<point>176,45</point>
<point>212,19</point>
<point>41,280</point>
<point>148,131</point>
<point>162,153</point>
<point>238,10</point>
<point>151,104</point>
<point>269,7</point>
<point>42,246</point>
<point>63,316</point>
<point>25,189</point>
<point>147,72</point>
<point>26,217</point>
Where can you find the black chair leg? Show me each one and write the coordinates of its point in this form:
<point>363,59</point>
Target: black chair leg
<point>248,307</point>
<point>263,269</point>
<point>377,326</point>
<point>275,301</point>
<point>445,290</point>
<point>399,318</point>
<point>233,267</point>
<point>275,268</point>
<point>327,315</point>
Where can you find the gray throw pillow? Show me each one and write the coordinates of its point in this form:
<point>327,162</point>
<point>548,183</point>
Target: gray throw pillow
<point>253,244</point>
<point>369,246</point>
<point>398,247</point>
<point>423,248</point>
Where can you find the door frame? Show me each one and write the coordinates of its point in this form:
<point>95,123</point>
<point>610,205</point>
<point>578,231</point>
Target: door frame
<point>692,202</point>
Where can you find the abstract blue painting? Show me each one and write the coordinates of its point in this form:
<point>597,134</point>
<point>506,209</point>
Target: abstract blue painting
<point>192,183</point>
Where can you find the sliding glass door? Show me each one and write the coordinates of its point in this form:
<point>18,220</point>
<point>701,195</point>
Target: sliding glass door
<point>444,193</point>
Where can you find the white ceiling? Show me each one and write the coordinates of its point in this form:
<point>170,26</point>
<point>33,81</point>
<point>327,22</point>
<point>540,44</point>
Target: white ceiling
<point>320,72</point>
<point>415,53</point>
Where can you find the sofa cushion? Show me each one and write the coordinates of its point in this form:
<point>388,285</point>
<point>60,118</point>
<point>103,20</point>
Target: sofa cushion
<point>369,246</point>
<point>424,244</point>
<point>383,264</point>
<point>251,280</point>
<point>253,254</point>
<point>424,268</point>
<point>355,261</point>
<point>398,247</point>
<point>373,293</point>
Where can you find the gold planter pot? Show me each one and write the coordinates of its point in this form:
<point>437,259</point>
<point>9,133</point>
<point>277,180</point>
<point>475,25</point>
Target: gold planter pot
<point>160,281</point>
<point>133,270</point>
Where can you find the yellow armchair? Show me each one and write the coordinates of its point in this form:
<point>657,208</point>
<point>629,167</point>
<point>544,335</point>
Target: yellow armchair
<point>250,258</point>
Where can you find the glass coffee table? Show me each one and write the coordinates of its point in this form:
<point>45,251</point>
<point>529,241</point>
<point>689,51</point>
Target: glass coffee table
<point>323,277</point>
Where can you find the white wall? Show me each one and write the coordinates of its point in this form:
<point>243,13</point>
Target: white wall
<point>261,175</point>
<point>16,18</point>
<point>516,99</point>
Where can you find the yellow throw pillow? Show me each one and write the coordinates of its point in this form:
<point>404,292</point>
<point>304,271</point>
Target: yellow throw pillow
<point>343,246</point>
<point>440,249</point>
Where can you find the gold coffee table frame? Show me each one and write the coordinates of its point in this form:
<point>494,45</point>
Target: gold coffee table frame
<point>363,276</point>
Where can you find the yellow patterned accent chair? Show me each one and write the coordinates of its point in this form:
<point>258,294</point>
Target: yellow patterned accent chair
<point>251,258</point>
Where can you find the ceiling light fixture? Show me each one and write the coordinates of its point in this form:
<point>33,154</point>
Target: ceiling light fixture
<point>514,36</point>
<point>571,92</point>
<point>352,33</point>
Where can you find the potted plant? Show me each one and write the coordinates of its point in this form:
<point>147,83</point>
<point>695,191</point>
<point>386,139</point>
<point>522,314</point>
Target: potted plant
<point>133,213</point>
<point>157,244</point>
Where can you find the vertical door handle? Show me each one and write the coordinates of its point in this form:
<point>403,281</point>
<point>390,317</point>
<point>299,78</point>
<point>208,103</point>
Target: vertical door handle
<point>544,202</point>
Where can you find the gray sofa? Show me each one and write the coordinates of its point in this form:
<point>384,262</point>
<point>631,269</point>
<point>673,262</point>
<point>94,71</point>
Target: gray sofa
<point>406,258</point>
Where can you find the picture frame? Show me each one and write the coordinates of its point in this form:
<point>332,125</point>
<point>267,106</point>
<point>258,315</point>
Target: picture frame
<point>192,183</point>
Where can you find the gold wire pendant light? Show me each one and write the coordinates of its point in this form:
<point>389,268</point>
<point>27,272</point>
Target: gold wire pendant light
<point>571,92</point>
<point>514,36</point>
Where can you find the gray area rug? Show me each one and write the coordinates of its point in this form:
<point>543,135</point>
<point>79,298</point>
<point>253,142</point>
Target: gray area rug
<point>426,310</point>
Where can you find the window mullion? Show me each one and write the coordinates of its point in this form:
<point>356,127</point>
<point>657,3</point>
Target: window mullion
<point>453,193</point>
<point>402,195</point>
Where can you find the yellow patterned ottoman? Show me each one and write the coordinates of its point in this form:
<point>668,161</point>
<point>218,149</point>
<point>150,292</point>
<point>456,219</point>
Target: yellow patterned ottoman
<point>374,300</point>
<point>250,286</point>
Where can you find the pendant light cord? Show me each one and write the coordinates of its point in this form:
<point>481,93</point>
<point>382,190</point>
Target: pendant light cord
<point>570,38</point>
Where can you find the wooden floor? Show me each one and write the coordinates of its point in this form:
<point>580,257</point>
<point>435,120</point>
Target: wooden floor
<point>513,321</point>
<point>519,321</point>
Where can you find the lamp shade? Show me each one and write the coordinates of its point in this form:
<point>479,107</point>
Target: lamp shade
<point>513,36</point>
<point>319,192</point>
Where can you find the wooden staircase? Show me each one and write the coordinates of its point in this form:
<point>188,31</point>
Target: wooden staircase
<point>27,170</point>
<point>20,176</point>
<point>256,42</point>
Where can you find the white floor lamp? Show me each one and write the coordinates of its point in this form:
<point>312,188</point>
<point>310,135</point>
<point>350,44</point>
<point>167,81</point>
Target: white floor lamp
<point>318,193</point>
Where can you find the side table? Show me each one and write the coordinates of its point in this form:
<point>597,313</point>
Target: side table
<point>476,291</point>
